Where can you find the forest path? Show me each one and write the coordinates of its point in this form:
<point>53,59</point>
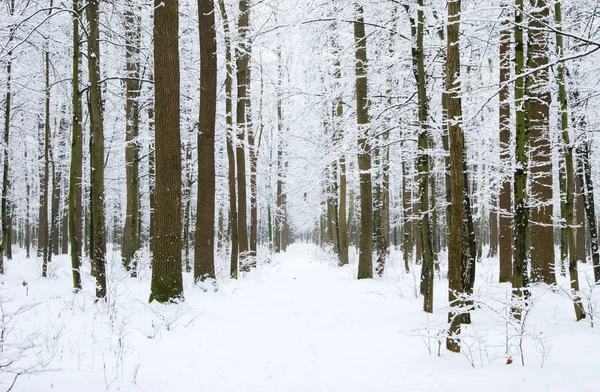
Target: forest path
<point>303,325</point>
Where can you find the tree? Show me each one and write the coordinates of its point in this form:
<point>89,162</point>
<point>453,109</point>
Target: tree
<point>459,253</point>
<point>167,284</point>
<point>423,168</point>
<point>505,221</point>
<point>204,262</point>
<point>233,219</point>
<point>5,246</point>
<point>75,205</point>
<point>98,235</point>
<point>542,233</point>
<point>242,55</point>
<point>570,171</point>
<point>132,109</point>
<point>365,257</point>
<point>521,223</point>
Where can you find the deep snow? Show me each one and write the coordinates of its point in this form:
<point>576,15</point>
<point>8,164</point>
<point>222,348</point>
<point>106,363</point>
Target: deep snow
<point>298,323</point>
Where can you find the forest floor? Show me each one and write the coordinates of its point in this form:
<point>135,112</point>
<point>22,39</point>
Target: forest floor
<point>297,323</point>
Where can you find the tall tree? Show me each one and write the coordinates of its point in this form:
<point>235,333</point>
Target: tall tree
<point>204,262</point>
<point>521,222</point>
<point>5,205</point>
<point>132,108</point>
<point>459,253</point>
<point>44,235</point>
<point>505,221</point>
<point>98,251</point>
<point>167,284</point>
<point>75,206</point>
<point>339,131</point>
<point>570,171</point>
<point>365,256</point>
<point>242,55</point>
<point>233,220</point>
<point>542,233</point>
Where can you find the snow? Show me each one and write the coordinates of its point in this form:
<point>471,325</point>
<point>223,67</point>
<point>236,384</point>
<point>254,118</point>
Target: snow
<point>299,323</point>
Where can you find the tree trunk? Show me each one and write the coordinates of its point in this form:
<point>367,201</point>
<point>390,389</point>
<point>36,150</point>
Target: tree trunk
<point>570,171</point>
<point>167,283</point>
<point>75,207</point>
<point>242,55</point>
<point>342,191</point>
<point>521,223</point>
<point>580,242</point>
<point>233,218</point>
<point>204,259</point>
<point>423,168</point>
<point>365,257</point>
<point>98,251</point>
<point>542,232</point>
<point>459,253</point>
<point>131,229</point>
<point>505,218</point>
<point>44,237</point>
<point>5,247</point>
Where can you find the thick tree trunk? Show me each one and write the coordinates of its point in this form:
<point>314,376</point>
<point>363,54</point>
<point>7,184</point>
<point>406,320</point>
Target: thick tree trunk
<point>365,257</point>
<point>204,259</point>
<point>423,168</point>
<point>580,242</point>
<point>542,232</point>
<point>167,283</point>
<point>459,252</point>
<point>98,251</point>
<point>521,223</point>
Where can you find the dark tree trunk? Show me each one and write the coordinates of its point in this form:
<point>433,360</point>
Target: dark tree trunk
<point>167,285</point>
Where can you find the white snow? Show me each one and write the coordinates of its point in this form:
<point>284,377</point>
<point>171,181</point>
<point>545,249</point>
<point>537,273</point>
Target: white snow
<point>298,324</point>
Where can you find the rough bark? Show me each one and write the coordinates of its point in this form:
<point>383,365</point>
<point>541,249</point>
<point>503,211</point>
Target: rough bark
<point>204,260</point>
<point>459,253</point>
<point>98,251</point>
<point>167,283</point>
<point>242,55</point>
<point>233,219</point>
<point>542,232</point>
<point>75,207</point>
<point>521,223</point>
<point>505,218</point>
<point>365,256</point>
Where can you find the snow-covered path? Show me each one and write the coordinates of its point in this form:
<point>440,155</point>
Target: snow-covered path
<point>298,324</point>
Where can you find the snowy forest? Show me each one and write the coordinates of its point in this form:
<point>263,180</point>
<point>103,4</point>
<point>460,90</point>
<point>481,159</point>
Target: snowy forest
<point>281,195</point>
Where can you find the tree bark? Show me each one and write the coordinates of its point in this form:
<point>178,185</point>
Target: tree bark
<point>459,253</point>
<point>542,232</point>
<point>365,256</point>
<point>242,55</point>
<point>233,218</point>
<point>521,223</point>
<point>204,260</point>
<point>570,171</point>
<point>98,251</point>
<point>75,207</point>
<point>167,283</point>
<point>505,218</point>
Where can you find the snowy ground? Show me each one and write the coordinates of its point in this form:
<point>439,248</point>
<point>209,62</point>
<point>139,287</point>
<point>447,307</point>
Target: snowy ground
<point>296,324</point>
